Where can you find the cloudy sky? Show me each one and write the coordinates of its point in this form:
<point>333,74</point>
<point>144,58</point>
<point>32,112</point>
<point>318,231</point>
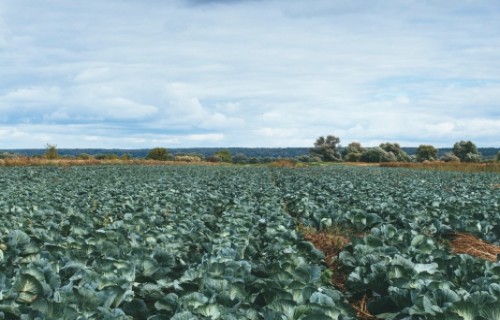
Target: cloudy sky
<point>248,73</point>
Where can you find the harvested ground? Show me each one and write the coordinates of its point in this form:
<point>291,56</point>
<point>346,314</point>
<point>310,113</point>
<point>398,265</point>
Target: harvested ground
<point>468,244</point>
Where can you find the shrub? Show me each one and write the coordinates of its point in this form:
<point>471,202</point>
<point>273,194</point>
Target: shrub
<point>397,153</point>
<point>158,154</point>
<point>377,154</point>
<point>126,157</point>
<point>449,157</point>
<point>426,152</point>
<point>8,155</point>
<point>223,155</point>
<point>51,152</point>
<point>353,157</point>
<point>84,156</point>
<point>213,158</point>
<point>187,158</point>
<point>466,151</point>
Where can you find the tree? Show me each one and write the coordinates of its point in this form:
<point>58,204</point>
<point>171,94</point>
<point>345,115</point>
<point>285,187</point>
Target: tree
<point>223,155</point>
<point>449,157</point>
<point>240,158</point>
<point>498,156</point>
<point>377,154</point>
<point>396,150</point>
<point>426,152</point>
<point>160,154</point>
<point>353,151</point>
<point>327,149</point>
<point>466,151</point>
<point>126,157</point>
<point>51,152</point>
<point>84,156</point>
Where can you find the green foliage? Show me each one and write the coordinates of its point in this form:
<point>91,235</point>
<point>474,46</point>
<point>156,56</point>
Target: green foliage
<point>51,152</point>
<point>84,156</point>
<point>394,151</point>
<point>159,242</point>
<point>327,149</point>
<point>426,152</point>
<point>466,151</point>
<point>498,156</point>
<point>223,155</point>
<point>219,242</point>
<point>160,154</point>
<point>376,155</point>
<point>353,152</point>
<point>402,260</point>
<point>126,157</point>
<point>106,156</point>
<point>449,157</point>
<point>8,155</point>
<point>240,158</point>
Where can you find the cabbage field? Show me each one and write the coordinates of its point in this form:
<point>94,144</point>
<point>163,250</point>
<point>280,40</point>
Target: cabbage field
<point>227,242</point>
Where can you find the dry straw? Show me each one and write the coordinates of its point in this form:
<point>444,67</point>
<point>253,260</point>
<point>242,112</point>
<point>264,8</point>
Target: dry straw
<point>331,243</point>
<point>468,244</point>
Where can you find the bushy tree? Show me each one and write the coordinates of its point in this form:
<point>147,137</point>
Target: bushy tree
<point>126,157</point>
<point>84,156</point>
<point>106,156</point>
<point>327,149</point>
<point>395,149</point>
<point>51,152</point>
<point>498,156</point>
<point>449,157</point>
<point>240,158</point>
<point>473,157</point>
<point>426,152</point>
<point>223,155</point>
<point>8,155</point>
<point>353,151</point>
<point>158,154</point>
<point>377,154</point>
<point>466,151</point>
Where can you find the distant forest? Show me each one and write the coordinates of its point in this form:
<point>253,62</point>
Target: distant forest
<point>270,153</point>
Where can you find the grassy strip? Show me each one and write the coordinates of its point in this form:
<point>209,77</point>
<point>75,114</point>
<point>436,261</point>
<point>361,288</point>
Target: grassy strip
<point>493,167</point>
<point>26,161</point>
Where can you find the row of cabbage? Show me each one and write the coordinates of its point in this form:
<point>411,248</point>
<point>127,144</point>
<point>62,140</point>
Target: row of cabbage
<point>401,221</point>
<point>155,243</point>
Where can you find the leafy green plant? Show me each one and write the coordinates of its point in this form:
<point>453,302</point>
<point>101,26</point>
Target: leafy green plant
<point>160,154</point>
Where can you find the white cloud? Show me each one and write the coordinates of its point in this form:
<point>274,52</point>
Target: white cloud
<point>277,132</point>
<point>251,73</point>
<point>38,95</point>
<point>93,74</point>
<point>209,137</point>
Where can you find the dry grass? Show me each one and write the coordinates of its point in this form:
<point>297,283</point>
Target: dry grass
<point>26,161</point>
<point>447,166</point>
<point>362,164</point>
<point>331,242</point>
<point>468,244</point>
<point>283,163</point>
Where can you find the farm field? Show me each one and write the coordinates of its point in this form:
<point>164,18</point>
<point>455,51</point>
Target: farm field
<point>200,242</point>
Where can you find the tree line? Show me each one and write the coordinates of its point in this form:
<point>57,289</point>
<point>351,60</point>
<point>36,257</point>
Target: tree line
<point>325,149</point>
<point>328,149</point>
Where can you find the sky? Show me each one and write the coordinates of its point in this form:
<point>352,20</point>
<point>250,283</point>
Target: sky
<point>248,73</point>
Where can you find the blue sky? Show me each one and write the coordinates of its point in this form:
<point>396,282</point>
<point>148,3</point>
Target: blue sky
<point>248,73</point>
